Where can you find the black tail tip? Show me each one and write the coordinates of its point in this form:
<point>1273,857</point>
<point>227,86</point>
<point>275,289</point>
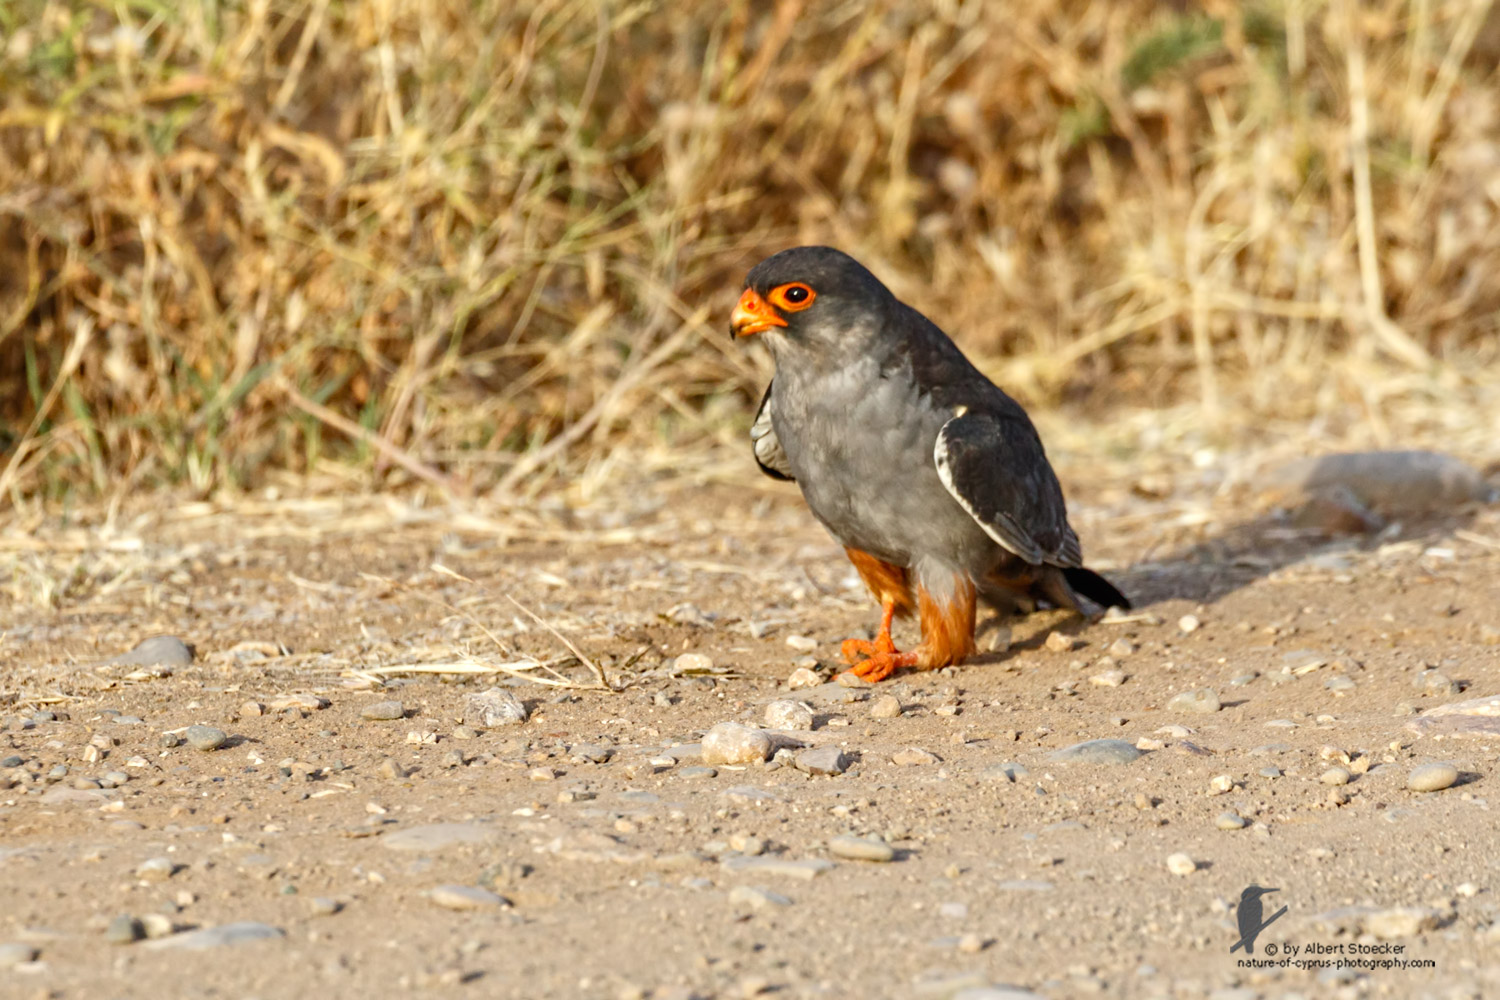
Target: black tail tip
<point>1087,583</point>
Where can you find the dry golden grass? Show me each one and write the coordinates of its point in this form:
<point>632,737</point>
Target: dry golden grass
<point>482,242</point>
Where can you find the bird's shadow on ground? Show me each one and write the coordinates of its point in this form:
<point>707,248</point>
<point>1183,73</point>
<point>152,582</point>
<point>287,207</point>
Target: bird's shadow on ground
<point>1212,568</point>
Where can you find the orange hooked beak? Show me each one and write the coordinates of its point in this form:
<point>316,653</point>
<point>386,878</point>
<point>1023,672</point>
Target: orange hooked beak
<point>752,314</point>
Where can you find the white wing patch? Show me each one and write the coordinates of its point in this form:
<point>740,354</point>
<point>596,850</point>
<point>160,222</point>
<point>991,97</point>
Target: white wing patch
<point>1006,533</point>
<point>767,446</point>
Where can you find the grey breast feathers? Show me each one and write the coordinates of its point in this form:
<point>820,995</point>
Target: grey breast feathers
<point>994,466</point>
<point>768,453</point>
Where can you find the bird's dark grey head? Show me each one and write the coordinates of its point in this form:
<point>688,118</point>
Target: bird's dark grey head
<point>813,298</point>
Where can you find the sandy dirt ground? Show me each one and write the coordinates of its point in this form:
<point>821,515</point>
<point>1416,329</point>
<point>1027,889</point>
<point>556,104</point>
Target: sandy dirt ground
<point>590,852</point>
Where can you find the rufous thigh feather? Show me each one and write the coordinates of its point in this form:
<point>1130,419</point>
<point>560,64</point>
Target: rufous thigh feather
<point>947,625</point>
<point>884,580</point>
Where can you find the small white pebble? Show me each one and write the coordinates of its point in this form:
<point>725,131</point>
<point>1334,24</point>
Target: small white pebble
<point>1181,864</point>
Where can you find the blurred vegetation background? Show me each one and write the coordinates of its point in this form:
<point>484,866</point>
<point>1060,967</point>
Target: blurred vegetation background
<point>493,243</point>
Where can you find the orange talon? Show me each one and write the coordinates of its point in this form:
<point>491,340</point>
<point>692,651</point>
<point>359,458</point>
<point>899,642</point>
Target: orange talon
<point>881,656</point>
<point>880,666</point>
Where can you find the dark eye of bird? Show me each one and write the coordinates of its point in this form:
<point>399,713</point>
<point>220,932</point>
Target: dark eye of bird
<point>796,294</point>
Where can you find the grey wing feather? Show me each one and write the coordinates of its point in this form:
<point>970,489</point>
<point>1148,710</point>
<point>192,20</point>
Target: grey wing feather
<point>995,467</point>
<point>768,453</point>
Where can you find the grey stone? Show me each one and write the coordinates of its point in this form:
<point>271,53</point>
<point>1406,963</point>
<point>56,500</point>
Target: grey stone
<point>1388,482</point>
<point>205,737</point>
<point>806,870</point>
<point>1097,752</point>
<point>438,837</point>
<point>392,769</point>
<point>1432,777</point>
<point>58,795</point>
<point>591,753</point>
<point>124,929</point>
<point>12,761</point>
<point>828,760</point>
<point>324,906</point>
<point>1008,771</point>
<point>1453,726</point>
<point>1202,701</point>
<point>756,897</point>
<point>1269,772</point>
<point>494,707</point>
<point>1336,776</point>
<point>157,651</point>
<point>1230,821</point>
<point>243,932</point>
<point>697,771</point>
<point>1385,923</point>
<point>732,743</point>
<point>692,664</point>
<point>861,849</point>
<point>1025,885</point>
<point>913,756</point>
<point>155,870</point>
<point>996,993</point>
<point>787,714</point>
<point>465,897</point>
<point>1436,682</point>
<point>12,955</point>
<point>1476,717</point>
<point>383,711</point>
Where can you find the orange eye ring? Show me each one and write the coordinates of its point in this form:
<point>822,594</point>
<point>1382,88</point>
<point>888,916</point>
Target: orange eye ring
<point>793,297</point>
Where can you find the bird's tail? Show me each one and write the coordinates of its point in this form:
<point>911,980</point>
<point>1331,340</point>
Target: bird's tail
<point>1087,583</point>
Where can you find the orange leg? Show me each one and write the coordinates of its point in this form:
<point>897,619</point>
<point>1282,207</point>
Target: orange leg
<point>882,658</point>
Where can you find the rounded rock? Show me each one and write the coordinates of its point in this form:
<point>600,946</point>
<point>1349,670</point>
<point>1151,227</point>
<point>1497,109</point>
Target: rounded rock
<point>1230,821</point>
<point>861,849</point>
<point>12,955</point>
<point>494,707</point>
<point>732,743</point>
<point>1202,701</point>
<point>157,651</point>
<point>1335,776</point>
<point>913,756</point>
<point>155,870</point>
<point>1097,752</point>
<point>465,897</point>
<point>887,706</point>
<point>383,711</point>
<point>1181,864</point>
<point>803,677</point>
<point>205,737</point>
<point>788,715</point>
<point>124,929</point>
<point>1432,777</point>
